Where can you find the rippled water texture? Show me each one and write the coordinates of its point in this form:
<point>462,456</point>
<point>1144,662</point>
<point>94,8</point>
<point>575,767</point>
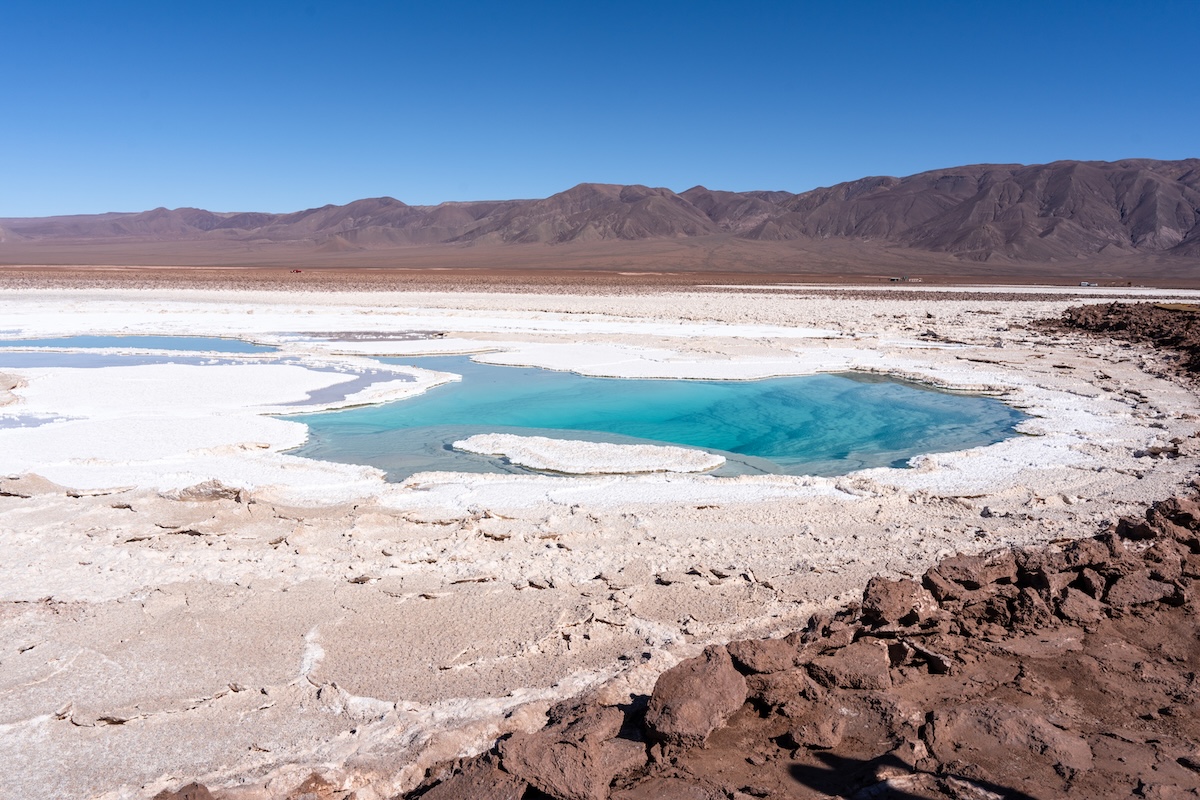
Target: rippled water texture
<point>814,425</point>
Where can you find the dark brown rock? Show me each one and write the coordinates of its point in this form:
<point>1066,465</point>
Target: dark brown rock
<point>1135,529</point>
<point>575,759</point>
<point>694,698</point>
<point>821,727</point>
<point>763,655</point>
<point>861,665</point>
<point>940,587</point>
<point>1052,584</point>
<point>1092,582</point>
<point>1136,589</point>
<point>990,736</point>
<point>478,780</point>
<point>1182,511</point>
<point>781,690</point>
<point>901,602</point>
<point>1085,553</point>
<point>1078,607</point>
<point>975,572</point>
<point>1030,611</point>
<point>1165,560</point>
<point>670,789</point>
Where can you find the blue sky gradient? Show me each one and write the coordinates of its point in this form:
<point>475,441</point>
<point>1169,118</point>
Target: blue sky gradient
<point>279,106</point>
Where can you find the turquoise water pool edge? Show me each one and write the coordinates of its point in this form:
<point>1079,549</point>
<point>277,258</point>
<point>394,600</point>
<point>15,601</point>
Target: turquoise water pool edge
<point>826,424</point>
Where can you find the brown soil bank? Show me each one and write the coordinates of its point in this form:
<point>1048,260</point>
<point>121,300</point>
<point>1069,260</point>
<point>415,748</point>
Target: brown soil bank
<point>1066,670</point>
<point>1175,326</point>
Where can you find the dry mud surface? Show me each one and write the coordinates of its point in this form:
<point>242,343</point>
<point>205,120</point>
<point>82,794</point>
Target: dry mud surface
<point>180,599</point>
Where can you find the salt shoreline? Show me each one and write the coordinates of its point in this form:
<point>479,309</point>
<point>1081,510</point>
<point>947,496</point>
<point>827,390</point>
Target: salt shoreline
<point>309,586</point>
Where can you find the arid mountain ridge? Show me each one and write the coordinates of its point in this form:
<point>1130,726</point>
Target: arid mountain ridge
<point>1014,213</point>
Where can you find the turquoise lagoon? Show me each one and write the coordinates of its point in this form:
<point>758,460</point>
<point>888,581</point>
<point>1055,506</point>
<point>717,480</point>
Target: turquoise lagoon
<point>826,424</point>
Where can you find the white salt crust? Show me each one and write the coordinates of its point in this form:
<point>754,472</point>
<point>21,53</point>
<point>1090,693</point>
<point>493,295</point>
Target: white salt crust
<point>594,458</point>
<point>323,619</point>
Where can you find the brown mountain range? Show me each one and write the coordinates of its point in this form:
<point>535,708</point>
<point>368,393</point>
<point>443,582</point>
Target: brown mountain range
<point>1135,216</point>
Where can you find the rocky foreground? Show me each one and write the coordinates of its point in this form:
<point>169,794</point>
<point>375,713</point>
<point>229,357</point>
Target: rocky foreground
<point>1071,669</point>
<point>1169,326</point>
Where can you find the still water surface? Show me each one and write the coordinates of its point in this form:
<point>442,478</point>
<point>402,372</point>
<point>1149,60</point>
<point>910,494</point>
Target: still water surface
<point>810,425</point>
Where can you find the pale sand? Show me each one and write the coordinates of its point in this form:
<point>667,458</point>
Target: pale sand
<point>326,620</point>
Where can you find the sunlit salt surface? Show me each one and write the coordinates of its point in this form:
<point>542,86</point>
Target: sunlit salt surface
<point>51,359</point>
<point>207,344</point>
<point>811,425</point>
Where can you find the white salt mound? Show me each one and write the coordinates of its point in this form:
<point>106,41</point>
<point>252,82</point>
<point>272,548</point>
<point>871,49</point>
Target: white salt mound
<point>565,455</point>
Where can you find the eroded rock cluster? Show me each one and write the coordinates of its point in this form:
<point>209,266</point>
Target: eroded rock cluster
<point>1065,670</point>
<point>1172,326</point>
<point>1071,669</point>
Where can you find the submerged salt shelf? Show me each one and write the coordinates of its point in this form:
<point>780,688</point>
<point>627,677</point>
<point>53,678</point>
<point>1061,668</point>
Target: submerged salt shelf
<point>811,425</point>
<point>209,344</point>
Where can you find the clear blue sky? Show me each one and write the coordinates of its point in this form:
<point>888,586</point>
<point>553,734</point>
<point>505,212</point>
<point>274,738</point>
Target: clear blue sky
<point>278,106</point>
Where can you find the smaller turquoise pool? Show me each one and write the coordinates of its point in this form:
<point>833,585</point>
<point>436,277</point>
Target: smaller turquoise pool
<point>207,344</point>
<point>810,425</point>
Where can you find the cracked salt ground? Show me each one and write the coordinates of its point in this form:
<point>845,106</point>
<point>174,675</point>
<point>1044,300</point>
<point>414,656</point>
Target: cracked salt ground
<point>452,608</point>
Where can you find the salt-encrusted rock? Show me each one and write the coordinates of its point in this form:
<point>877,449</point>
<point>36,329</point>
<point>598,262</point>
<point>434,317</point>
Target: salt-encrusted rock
<point>694,698</point>
<point>901,602</point>
<point>576,758</point>
<point>212,489</point>
<point>576,457</point>
<point>1137,588</point>
<point>314,787</point>
<point>192,791</point>
<point>29,485</point>
<point>861,665</point>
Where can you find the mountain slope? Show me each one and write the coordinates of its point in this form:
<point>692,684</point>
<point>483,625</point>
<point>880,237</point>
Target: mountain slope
<point>1047,212</point>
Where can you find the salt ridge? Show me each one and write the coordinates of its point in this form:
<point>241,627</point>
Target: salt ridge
<point>576,457</point>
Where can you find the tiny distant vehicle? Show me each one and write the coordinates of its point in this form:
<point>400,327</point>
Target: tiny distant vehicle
<point>296,271</point>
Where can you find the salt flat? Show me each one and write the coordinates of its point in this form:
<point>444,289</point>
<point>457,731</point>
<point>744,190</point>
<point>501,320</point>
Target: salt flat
<point>179,598</point>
